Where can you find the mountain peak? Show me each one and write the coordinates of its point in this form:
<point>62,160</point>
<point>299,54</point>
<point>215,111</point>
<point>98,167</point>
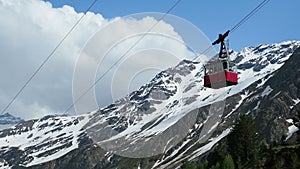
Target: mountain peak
<point>7,118</point>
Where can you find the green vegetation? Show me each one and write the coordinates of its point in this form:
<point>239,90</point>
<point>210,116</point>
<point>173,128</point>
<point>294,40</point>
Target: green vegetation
<point>228,162</point>
<point>243,141</point>
<point>243,148</point>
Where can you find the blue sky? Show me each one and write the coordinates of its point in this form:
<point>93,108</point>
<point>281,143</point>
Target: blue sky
<point>275,22</point>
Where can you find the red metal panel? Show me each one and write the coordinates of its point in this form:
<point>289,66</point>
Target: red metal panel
<point>220,78</point>
<point>232,77</point>
<point>206,79</point>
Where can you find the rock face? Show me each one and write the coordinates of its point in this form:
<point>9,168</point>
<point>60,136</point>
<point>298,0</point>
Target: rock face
<point>276,102</point>
<point>170,119</point>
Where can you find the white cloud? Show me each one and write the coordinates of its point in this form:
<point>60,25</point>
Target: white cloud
<point>118,40</point>
<point>29,32</point>
<point>31,29</point>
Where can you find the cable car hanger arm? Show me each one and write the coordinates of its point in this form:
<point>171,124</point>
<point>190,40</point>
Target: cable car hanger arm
<point>221,38</point>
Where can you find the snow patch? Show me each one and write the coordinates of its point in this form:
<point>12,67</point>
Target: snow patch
<point>209,145</point>
<point>257,105</point>
<point>290,121</point>
<point>292,130</point>
<point>296,101</point>
<point>267,91</point>
<point>213,127</point>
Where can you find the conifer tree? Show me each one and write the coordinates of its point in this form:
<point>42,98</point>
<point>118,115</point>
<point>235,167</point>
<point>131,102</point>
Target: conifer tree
<point>228,163</point>
<point>243,140</point>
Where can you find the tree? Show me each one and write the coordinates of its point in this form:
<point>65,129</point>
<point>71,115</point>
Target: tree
<point>217,166</point>
<point>203,165</point>
<point>294,160</point>
<point>190,165</point>
<point>228,162</point>
<point>239,163</point>
<point>219,153</point>
<point>243,140</point>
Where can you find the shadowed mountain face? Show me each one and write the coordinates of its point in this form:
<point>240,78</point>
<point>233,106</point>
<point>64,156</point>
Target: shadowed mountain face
<point>170,119</point>
<point>277,108</point>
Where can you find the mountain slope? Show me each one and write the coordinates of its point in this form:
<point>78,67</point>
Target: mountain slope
<point>275,105</point>
<point>171,119</point>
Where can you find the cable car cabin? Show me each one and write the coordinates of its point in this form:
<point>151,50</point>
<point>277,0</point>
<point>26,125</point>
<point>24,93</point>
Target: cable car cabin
<point>220,73</point>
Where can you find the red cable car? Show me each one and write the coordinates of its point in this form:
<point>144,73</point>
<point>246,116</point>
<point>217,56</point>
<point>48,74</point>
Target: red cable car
<point>221,72</point>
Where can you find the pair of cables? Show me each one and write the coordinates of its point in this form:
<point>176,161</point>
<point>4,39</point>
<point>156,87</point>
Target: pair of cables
<point>234,28</point>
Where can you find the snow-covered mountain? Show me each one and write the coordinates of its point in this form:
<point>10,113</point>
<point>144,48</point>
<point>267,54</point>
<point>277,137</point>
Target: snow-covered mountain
<point>7,118</point>
<point>170,119</point>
